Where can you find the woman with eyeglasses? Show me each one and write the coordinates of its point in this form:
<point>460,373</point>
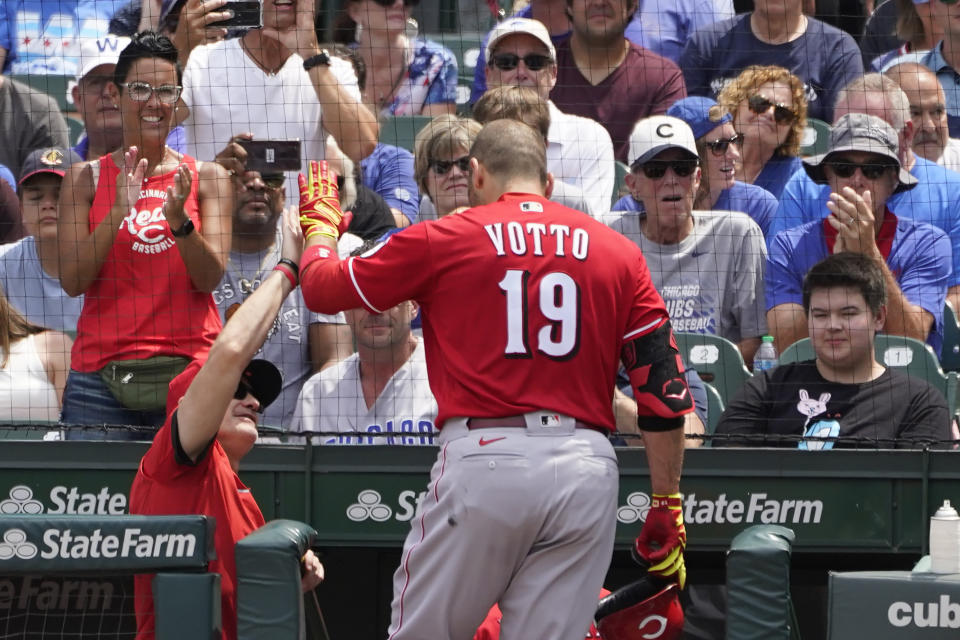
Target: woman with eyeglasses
<point>406,76</point>
<point>769,109</point>
<point>441,162</point>
<point>718,145</point>
<point>143,233</point>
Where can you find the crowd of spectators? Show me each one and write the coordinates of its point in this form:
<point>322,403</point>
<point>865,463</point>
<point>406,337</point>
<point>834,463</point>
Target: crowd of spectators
<point>133,246</point>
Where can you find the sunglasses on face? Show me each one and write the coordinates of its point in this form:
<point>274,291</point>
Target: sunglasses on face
<point>509,61</point>
<point>141,92</point>
<point>389,3</point>
<point>870,170</point>
<point>656,169</point>
<point>273,180</point>
<point>442,167</point>
<point>782,114</point>
<point>243,389</point>
<point>719,147</point>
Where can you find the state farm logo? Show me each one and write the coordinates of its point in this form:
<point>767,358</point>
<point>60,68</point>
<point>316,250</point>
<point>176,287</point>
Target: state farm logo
<point>21,501</point>
<point>66,500</point>
<point>369,506</point>
<point>638,504</point>
<point>15,544</point>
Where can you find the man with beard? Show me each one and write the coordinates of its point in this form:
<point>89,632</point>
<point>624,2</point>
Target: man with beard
<point>603,76</point>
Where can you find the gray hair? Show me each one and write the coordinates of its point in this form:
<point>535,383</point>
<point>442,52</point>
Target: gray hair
<point>899,104</point>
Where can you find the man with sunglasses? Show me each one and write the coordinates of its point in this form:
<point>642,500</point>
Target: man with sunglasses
<point>212,414</point>
<point>301,342</point>
<point>707,265</point>
<point>528,308</point>
<point>603,76</point>
<point>935,200</point>
<point>776,32</point>
<point>862,169</point>
<point>520,53</point>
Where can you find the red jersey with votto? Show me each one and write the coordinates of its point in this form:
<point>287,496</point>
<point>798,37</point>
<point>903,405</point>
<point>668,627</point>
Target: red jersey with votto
<point>526,305</point>
<point>167,483</point>
<point>143,302</point>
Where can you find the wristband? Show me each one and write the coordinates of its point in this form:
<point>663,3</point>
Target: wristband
<point>290,263</point>
<point>285,270</point>
<point>667,501</point>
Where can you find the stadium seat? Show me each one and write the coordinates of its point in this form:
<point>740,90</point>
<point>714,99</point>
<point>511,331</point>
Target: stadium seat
<point>950,354</point>
<point>906,354</point>
<point>76,129</point>
<point>55,86</point>
<point>816,137</point>
<point>620,173</point>
<point>714,409</point>
<point>401,131</point>
<point>716,359</point>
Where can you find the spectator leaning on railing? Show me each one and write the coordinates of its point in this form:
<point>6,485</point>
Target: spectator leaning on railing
<point>144,233</point>
<point>844,393</point>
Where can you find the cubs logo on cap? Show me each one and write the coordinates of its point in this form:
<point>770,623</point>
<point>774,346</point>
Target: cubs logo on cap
<point>656,134</point>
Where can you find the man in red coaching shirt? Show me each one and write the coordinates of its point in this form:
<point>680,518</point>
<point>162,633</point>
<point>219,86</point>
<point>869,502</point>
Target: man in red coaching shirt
<point>528,307</point>
<point>212,414</point>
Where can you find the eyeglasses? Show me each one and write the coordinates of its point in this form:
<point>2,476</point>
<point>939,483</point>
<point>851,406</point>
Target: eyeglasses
<point>389,3</point>
<point>719,147</point>
<point>656,169</point>
<point>870,170</point>
<point>243,389</point>
<point>781,112</point>
<point>442,167</point>
<point>141,92</point>
<point>509,61</point>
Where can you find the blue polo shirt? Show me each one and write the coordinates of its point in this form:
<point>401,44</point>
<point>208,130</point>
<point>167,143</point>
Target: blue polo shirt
<point>389,172</point>
<point>775,174</point>
<point>918,254</point>
<point>935,200</point>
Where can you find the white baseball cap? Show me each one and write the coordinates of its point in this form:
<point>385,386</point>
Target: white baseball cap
<point>511,26</point>
<point>656,134</point>
<point>97,51</point>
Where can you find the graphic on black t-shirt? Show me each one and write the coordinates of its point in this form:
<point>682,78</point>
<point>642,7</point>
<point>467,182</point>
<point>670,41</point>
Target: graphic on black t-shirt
<point>812,408</point>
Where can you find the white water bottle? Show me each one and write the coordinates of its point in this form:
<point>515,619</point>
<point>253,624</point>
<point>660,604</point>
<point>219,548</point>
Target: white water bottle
<point>945,540</point>
<point>766,356</point>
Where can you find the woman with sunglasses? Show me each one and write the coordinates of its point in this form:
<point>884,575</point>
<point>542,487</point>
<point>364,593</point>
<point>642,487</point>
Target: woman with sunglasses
<point>143,233</point>
<point>718,145</point>
<point>441,160</point>
<point>769,110</point>
<point>405,76</point>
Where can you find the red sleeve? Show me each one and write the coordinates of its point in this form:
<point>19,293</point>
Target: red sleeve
<point>394,271</point>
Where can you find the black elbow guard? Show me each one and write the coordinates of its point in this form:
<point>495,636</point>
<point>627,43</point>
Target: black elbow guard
<point>656,374</point>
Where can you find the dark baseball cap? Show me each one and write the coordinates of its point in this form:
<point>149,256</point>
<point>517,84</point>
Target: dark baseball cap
<point>866,133</point>
<point>54,160</point>
<point>263,380</point>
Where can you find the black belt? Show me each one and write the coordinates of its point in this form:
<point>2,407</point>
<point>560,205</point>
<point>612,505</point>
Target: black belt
<point>519,422</point>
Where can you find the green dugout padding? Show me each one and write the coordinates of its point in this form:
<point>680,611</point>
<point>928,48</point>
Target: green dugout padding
<point>892,605</point>
<point>758,585</point>
<point>187,606</point>
<point>269,602</point>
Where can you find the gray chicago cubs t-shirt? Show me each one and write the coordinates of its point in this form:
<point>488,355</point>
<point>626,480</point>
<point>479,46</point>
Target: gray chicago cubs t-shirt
<point>712,281</point>
<point>287,345</point>
<point>32,292</point>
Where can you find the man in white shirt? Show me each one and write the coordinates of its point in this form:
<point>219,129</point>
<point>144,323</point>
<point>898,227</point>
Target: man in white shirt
<point>380,389</point>
<point>579,151</point>
<point>928,110</point>
<point>277,84</point>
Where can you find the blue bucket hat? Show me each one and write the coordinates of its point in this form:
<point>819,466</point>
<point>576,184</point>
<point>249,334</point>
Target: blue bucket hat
<point>695,111</point>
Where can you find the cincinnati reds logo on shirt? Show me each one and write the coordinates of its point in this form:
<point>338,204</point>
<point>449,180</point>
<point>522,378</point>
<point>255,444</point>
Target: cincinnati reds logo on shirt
<point>148,227</point>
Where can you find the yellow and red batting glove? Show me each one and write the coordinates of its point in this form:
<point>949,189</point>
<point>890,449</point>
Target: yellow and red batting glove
<point>320,212</point>
<point>663,539</point>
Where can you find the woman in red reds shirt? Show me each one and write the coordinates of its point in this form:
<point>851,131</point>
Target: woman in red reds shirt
<point>143,233</point>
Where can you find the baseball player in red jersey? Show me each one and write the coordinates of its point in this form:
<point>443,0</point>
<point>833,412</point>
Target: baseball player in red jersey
<point>528,307</point>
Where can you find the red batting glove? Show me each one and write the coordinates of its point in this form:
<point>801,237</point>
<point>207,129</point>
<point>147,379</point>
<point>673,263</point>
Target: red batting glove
<point>663,538</point>
<point>320,212</point>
